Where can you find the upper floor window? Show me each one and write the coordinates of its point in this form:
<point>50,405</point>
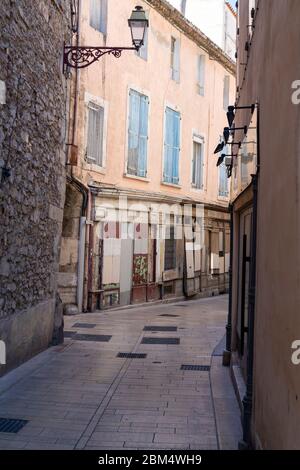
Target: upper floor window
<point>201,74</point>
<point>175,59</point>
<point>143,51</point>
<point>94,150</point>
<point>223,179</point>
<point>171,146</point>
<point>137,134</point>
<point>226,90</point>
<point>98,15</point>
<point>198,163</point>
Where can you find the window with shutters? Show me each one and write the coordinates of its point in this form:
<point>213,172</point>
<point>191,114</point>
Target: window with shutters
<point>198,163</point>
<point>143,51</point>
<point>223,179</point>
<point>171,146</point>
<point>201,75</point>
<point>98,15</point>
<point>170,249</point>
<point>226,89</point>
<point>94,150</point>
<point>137,134</point>
<point>175,59</point>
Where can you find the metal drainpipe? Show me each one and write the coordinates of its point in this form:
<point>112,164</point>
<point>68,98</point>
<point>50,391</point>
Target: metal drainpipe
<point>227,352</point>
<point>81,245</point>
<point>246,443</point>
<point>81,188</point>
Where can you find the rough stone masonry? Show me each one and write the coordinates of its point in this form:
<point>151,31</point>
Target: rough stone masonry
<point>33,126</point>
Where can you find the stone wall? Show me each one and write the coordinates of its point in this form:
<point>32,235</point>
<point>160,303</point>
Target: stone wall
<point>33,126</point>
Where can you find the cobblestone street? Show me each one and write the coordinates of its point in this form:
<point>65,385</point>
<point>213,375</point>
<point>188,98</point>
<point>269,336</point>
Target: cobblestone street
<point>82,395</point>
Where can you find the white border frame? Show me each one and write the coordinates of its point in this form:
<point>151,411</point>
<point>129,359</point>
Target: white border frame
<point>97,100</point>
<point>200,138</point>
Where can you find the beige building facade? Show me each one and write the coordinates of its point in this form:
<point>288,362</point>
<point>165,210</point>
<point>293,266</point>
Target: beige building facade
<point>263,323</point>
<point>142,137</point>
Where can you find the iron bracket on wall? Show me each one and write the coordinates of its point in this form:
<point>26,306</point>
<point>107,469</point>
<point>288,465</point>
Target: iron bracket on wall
<point>79,57</point>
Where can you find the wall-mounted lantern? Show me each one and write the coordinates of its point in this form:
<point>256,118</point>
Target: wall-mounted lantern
<point>80,57</point>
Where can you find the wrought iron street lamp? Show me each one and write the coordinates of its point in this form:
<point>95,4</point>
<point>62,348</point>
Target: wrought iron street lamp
<point>80,57</point>
<point>138,24</point>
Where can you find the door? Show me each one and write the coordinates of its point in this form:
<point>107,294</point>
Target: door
<point>126,263</point>
<point>244,279</point>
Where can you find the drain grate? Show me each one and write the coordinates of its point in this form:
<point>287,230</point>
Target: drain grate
<point>12,425</point>
<point>99,338</point>
<point>160,328</point>
<point>168,315</point>
<point>195,367</point>
<point>84,325</point>
<point>132,355</point>
<point>147,340</point>
<point>69,334</point>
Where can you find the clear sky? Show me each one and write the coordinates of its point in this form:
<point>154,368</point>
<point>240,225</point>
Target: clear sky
<point>232,2</point>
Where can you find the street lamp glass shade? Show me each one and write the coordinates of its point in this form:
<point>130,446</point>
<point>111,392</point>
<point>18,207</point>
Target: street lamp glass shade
<point>138,24</point>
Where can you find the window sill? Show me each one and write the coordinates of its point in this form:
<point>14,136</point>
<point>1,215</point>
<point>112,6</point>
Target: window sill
<point>223,198</point>
<point>172,185</point>
<point>94,167</point>
<point>198,190</point>
<point>139,178</point>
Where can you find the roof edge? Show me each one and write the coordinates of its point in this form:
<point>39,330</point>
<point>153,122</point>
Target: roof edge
<point>177,19</point>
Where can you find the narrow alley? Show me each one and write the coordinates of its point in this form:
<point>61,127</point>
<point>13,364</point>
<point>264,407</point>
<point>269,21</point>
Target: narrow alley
<point>172,394</point>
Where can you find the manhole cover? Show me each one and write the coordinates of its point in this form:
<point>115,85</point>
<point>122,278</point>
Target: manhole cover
<point>147,340</point>
<point>195,367</point>
<point>132,355</point>
<point>160,328</point>
<point>12,425</point>
<point>69,334</point>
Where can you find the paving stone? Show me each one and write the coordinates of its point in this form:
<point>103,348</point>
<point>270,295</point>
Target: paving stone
<point>85,397</point>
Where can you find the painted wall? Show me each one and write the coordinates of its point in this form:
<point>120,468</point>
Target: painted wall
<point>110,81</point>
<point>273,65</point>
<point>107,83</point>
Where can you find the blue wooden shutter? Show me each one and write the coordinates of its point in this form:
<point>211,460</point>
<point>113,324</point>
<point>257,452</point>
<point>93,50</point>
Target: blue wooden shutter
<point>197,179</point>
<point>133,132</point>
<point>172,146</point>
<point>95,14</point>
<point>176,63</point>
<point>176,147</point>
<point>143,136</point>
<point>103,17</point>
<point>226,92</point>
<point>98,15</point>
<point>223,180</point>
<point>168,147</point>
<point>143,51</point>
<point>201,74</point>
<point>95,134</point>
